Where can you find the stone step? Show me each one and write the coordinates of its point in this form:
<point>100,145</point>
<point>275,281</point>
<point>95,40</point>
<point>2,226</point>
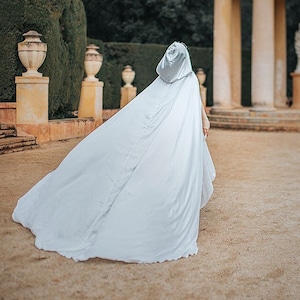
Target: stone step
<point>245,119</point>
<point>16,144</point>
<point>7,130</point>
<point>246,112</point>
<point>254,120</point>
<point>255,126</point>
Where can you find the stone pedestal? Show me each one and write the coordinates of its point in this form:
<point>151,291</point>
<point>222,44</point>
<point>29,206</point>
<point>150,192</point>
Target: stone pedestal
<point>32,100</point>
<point>296,90</point>
<point>32,107</point>
<point>91,100</point>
<point>127,94</point>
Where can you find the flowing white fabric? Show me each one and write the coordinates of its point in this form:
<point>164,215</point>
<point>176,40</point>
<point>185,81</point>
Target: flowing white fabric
<point>132,190</point>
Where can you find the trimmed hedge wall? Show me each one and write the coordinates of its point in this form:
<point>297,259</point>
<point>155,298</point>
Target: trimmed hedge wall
<point>63,26</point>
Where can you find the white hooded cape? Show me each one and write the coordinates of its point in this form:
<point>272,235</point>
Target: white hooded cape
<point>132,190</point>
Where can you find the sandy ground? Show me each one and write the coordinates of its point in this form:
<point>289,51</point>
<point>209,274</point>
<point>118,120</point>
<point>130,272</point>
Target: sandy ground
<point>249,238</point>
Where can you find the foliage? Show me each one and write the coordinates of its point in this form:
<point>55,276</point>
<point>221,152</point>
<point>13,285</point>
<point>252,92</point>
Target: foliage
<point>11,12</point>
<point>63,26</point>
<point>151,21</point>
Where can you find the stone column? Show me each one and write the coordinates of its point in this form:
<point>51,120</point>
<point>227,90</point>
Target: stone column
<point>222,54</point>
<point>280,53</point>
<point>263,50</point>
<point>236,55</point>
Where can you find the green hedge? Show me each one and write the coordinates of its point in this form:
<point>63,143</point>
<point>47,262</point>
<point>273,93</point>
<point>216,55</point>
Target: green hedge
<point>12,14</point>
<point>63,26</point>
<point>144,59</point>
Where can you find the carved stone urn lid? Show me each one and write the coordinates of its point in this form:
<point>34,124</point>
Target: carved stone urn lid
<point>92,53</point>
<point>32,42</point>
<point>32,33</point>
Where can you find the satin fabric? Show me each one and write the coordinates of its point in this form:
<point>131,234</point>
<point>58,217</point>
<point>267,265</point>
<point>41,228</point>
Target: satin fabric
<point>132,190</point>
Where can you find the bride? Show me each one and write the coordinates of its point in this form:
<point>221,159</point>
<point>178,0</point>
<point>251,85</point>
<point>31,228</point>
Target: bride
<point>132,190</point>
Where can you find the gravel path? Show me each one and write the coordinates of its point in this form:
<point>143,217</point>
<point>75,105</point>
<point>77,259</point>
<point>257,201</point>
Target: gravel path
<point>249,239</point>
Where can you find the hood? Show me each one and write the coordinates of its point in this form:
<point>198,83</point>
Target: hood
<point>175,64</point>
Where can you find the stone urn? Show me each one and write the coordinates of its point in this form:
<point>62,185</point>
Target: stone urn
<point>201,76</point>
<point>92,62</point>
<point>128,76</point>
<point>32,53</point>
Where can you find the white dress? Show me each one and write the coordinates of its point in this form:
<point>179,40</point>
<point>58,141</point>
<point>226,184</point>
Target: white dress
<point>132,190</point>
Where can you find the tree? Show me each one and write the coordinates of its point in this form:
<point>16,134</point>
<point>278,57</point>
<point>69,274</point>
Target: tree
<point>151,21</point>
